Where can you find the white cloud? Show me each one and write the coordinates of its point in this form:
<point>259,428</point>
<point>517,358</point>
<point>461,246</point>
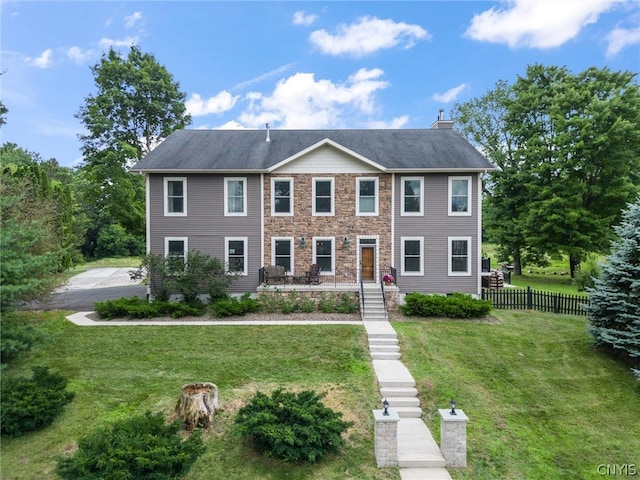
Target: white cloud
<point>536,23</point>
<point>105,43</point>
<point>368,35</point>
<point>223,101</point>
<point>45,60</point>
<point>79,56</point>
<point>301,18</point>
<point>451,94</point>
<point>300,101</point>
<point>131,20</point>
<point>620,38</point>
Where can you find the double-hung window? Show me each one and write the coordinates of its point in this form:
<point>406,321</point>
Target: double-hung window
<point>282,252</point>
<point>323,196</point>
<point>175,196</point>
<point>235,196</point>
<point>323,253</point>
<point>459,195</point>
<point>175,251</point>
<point>281,196</point>
<point>412,254</point>
<point>460,256</point>
<point>367,201</point>
<point>412,194</point>
<point>235,254</point>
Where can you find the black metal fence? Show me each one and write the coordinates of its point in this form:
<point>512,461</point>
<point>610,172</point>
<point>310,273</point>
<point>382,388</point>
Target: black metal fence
<point>521,299</point>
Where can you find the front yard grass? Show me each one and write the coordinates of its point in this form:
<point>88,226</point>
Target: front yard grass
<point>542,402</point>
<point>120,371</point>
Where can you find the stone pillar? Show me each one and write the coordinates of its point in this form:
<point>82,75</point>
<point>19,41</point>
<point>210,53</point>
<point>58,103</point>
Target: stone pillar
<point>386,438</point>
<point>453,437</point>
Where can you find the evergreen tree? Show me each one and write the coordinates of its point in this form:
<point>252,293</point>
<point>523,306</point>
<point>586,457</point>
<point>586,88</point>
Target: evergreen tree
<point>614,309</point>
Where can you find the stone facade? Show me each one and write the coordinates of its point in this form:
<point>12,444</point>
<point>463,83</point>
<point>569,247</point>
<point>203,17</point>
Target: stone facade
<point>453,437</point>
<point>344,222</point>
<point>386,438</point>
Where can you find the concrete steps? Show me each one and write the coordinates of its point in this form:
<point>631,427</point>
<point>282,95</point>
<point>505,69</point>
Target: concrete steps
<point>419,457</point>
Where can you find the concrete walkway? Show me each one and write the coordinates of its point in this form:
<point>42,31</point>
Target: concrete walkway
<point>419,457</point>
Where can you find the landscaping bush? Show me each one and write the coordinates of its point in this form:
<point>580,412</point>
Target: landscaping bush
<point>134,307</point>
<point>457,305</point>
<point>307,305</point>
<point>141,447</point>
<point>19,335</point>
<point>232,306</point>
<point>28,404</point>
<point>327,304</point>
<point>291,426</point>
<point>346,304</point>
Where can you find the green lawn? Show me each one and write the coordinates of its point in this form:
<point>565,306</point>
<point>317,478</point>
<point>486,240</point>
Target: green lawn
<point>117,371</point>
<point>542,403</point>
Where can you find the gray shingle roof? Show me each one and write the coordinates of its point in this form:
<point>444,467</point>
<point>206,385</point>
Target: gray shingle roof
<point>248,150</point>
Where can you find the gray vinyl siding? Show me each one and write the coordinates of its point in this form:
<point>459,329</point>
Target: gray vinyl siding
<point>436,226</point>
<point>205,224</point>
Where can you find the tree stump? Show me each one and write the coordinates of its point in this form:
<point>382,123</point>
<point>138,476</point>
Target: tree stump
<point>197,405</point>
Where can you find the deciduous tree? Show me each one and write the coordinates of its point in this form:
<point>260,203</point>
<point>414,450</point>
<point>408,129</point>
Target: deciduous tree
<point>137,105</point>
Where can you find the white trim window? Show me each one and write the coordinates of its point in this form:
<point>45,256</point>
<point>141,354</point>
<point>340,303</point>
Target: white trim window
<point>324,253</point>
<point>412,253</point>
<point>175,252</point>
<point>175,196</point>
<point>367,196</point>
<point>282,252</point>
<point>460,196</point>
<point>459,256</point>
<point>412,191</point>
<point>281,196</point>
<point>323,194</point>
<point>235,254</point>
<point>235,196</point>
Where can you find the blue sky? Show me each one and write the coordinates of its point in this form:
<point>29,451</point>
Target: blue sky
<point>316,64</point>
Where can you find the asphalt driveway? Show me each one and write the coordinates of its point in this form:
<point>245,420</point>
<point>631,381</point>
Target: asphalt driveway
<point>95,285</point>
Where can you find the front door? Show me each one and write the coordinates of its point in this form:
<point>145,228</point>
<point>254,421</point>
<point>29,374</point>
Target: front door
<point>368,255</point>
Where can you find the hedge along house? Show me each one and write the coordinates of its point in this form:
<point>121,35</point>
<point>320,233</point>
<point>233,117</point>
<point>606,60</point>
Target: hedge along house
<point>359,203</point>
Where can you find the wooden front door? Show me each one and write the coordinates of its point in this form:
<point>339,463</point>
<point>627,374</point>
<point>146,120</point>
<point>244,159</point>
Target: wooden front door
<point>368,256</point>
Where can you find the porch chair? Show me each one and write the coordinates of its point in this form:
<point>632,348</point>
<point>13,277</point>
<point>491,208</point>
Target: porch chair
<point>313,275</point>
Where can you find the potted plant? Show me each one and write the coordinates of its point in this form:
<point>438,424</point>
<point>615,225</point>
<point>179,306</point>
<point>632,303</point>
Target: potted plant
<point>388,279</point>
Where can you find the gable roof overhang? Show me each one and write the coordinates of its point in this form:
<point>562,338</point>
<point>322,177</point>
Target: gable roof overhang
<point>320,144</point>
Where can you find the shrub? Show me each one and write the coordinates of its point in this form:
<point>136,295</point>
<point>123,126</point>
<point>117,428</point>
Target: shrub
<point>457,305</point>
<point>232,306</point>
<point>307,305</point>
<point>141,447</point>
<point>19,335</point>
<point>270,302</point>
<point>134,307</point>
<point>346,304</point>
<point>587,273</point>
<point>327,305</point>
<point>290,304</point>
<point>291,426</point>
<point>29,404</point>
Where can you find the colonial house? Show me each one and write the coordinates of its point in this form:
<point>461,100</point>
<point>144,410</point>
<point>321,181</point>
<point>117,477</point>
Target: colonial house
<point>361,204</point>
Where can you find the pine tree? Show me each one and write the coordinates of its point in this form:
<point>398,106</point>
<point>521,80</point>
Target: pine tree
<point>614,310</point>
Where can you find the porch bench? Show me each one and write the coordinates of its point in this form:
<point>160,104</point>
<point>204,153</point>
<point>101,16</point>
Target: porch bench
<point>274,274</point>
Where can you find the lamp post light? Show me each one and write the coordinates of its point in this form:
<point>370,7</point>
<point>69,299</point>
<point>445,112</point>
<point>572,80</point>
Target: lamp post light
<point>385,404</point>
<point>452,404</point>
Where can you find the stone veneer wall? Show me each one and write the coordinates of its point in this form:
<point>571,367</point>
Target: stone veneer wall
<point>343,223</point>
